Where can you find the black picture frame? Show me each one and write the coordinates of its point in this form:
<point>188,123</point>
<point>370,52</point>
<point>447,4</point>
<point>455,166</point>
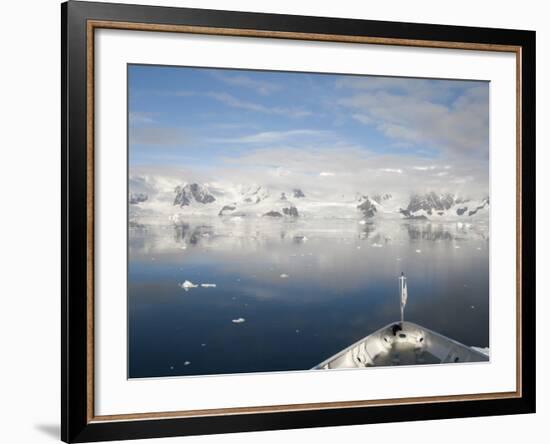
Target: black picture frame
<point>76,326</point>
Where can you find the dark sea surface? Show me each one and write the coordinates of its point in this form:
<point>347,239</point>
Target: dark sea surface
<point>305,289</point>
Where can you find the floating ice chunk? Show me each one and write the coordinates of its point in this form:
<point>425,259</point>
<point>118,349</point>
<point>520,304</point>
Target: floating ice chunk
<point>187,363</point>
<point>479,248</point>
<point>419,251</point>
<point>187,285</point>
<point>358,247</point>
<point>284,276</point>
<point>297,331</point>
<point>376,245</point>
<point>457,246</point>
<point>238,320</point>
<point>208,285</point>
<point>183,247</point>
<point>362,222</point>
<point>203,345</point>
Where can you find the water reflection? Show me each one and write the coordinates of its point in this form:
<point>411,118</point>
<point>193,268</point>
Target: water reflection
<point>305,290</point>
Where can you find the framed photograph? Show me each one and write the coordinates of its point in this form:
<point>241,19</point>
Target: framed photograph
<point>275,221</point>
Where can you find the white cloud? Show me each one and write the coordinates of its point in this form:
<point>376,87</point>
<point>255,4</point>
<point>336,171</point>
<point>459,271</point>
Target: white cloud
<point>260,86</point>
<point>270,137</point>
<point>229,100</point>
<point>152,135</point>
<point>139,117</point>
<point>418,116</point>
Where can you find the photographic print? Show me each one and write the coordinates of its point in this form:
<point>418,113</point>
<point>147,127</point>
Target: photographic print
<point>297,221</point>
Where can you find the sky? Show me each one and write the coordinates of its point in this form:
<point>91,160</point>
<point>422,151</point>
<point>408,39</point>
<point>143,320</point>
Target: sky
<point>313,130</point>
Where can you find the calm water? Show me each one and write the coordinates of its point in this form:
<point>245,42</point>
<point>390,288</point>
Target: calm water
<point>339,283</point>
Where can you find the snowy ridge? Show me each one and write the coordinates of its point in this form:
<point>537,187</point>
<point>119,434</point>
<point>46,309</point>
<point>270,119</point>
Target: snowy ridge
<point>153,201</point>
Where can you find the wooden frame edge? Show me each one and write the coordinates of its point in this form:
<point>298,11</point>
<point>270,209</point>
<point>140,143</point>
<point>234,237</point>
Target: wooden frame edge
<point>91,25</point>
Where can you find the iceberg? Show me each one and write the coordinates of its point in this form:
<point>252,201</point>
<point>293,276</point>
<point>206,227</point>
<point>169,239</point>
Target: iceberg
<point>187,285</point>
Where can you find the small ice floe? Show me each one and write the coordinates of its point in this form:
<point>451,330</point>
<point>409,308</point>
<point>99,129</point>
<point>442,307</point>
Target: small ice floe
<point>472,307</point>
<point>358,247</point>
<point>234,297</point>
<point>187,285</point>
<point>238,320</point>
<point>187,363</point>
<point>284,276</point>
<point>297,331</point>
<point>376,245</point>
<point>362,222</point>
<point>183,247</point>
<point>457,246</point>
<point>208,285</point>
<point>203,345</point>
<point>479,248</point>
<point>419,251</point>
<point>171,367</point>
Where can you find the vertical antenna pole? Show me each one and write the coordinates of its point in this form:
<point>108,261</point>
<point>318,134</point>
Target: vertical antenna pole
<point>402,296</point>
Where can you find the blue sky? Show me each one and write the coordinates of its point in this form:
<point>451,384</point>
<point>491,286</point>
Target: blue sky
<point>217,121</point>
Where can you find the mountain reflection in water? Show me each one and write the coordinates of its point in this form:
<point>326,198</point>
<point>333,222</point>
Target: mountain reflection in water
<point>288,295</point>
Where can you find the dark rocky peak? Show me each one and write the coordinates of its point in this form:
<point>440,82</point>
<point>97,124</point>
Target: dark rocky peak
<point>291,211</point>
<point>137,198</point>
<point>430,202</point>
<point>367,207</point>
<point>192,192</point>
<point>298,193</point>
<point>380,198</point>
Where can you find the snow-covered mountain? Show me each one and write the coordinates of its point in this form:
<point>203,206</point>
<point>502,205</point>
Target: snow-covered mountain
<point>427,206</point>
<point>436,206</point>
<point>137,198</point>
<point>192,193</point>
<point>246,201</point>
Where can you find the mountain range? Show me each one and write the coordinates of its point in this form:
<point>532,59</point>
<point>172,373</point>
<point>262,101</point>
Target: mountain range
<point>195,199</point>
